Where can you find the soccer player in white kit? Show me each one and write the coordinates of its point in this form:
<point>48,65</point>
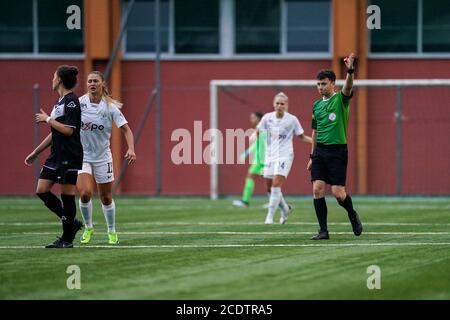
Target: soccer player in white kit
<point>98,112</point>
<point>280,127</point>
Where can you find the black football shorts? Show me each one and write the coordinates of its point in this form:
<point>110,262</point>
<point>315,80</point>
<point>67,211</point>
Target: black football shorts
<point>61,176</point>
<point>329,164</point>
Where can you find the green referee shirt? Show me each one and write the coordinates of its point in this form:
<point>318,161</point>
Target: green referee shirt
<point>330,119</point>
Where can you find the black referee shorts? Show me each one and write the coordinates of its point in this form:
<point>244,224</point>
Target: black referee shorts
<point>61,176</point>
<point>329,164</point>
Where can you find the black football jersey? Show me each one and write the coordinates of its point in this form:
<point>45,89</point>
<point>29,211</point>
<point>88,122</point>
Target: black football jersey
<point>67,151</point>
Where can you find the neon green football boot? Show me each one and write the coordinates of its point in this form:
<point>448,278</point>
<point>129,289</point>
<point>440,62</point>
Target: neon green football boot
<point>113,238</point>
<point>87,235</point>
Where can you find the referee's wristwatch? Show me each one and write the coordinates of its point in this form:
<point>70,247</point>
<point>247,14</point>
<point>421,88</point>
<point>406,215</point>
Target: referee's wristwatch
<point>310,155</point>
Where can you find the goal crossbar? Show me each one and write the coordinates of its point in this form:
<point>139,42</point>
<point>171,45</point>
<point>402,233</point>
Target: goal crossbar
<point>216,84</point>
<point>312,83</point>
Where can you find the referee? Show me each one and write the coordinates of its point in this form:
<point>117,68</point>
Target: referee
<point>66,155</point>
<point>328,163</point>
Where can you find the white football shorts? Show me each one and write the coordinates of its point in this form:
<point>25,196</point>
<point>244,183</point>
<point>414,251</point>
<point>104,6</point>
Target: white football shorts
<point>102,172</point>
<point>280,167</point>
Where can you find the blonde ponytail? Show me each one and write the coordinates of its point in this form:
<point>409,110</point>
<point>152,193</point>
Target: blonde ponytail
<point>106,96</point>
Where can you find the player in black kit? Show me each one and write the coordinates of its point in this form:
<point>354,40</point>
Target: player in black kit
<point>66,155</point>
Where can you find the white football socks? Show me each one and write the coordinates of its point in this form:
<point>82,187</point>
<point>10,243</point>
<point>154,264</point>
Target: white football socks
<point>86,212</point>
<point>283,204</point>
<point>109,212</point>
<point>274,202</point>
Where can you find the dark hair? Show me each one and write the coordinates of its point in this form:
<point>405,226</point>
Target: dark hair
<point>258,114</point>
<point>326,74</point>
<point>68,75</point>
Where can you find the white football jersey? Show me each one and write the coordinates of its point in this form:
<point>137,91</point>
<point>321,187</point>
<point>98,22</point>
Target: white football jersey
<point>96,126</point>
<point>279,135</point>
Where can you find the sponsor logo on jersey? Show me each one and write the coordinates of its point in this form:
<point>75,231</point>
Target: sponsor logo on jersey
<point>83,105</point>
<point>89,126</point>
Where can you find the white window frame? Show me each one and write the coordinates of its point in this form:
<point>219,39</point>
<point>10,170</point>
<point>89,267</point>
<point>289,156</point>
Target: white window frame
<point>35,54</point>
<point>227,40</point>
<point>419,54</point>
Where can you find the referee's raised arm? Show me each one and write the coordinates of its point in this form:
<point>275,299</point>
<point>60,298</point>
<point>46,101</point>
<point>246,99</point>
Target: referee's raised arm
<point>348,85</point>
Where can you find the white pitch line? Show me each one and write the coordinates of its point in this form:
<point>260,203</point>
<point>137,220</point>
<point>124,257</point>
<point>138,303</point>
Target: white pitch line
<point>394,244</point>
<point>238,233</point>
<point>231,223</point>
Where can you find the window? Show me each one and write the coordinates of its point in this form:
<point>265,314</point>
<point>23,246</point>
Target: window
<point>54,36</point>
<point>140,33</point>
<point>292,26</point>
<point>257,26</point>
<point>436,26</point>
<point>194,32</point>
<point>16,26</point>
<point>398,31</point>
<point>412,26</point>
<point>33,26</point>
<point>308,25</point>
<point>197,26</point>
<point>230,27</point>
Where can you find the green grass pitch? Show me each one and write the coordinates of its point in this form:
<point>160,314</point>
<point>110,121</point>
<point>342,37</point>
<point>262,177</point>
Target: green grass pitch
<point>194,248</point>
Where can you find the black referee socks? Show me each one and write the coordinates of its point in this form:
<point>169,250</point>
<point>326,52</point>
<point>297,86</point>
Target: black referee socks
<point>52,202</point>
<point>347,204</point>
<point>321,212</point>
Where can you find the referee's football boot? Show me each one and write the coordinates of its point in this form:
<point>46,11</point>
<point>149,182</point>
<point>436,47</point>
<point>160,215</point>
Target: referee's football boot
<point>322,235</point>
<point>356,224</point>
<point>60,243</point>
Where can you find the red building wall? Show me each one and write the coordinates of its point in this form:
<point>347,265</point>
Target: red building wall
<point>425,129</point>
<point>185,99</point>
<point>17,111</point>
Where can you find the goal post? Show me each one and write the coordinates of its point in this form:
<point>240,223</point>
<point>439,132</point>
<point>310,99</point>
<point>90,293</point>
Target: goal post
<point>397,84</point>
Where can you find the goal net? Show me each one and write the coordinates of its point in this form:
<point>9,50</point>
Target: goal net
<point>398,134</point>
